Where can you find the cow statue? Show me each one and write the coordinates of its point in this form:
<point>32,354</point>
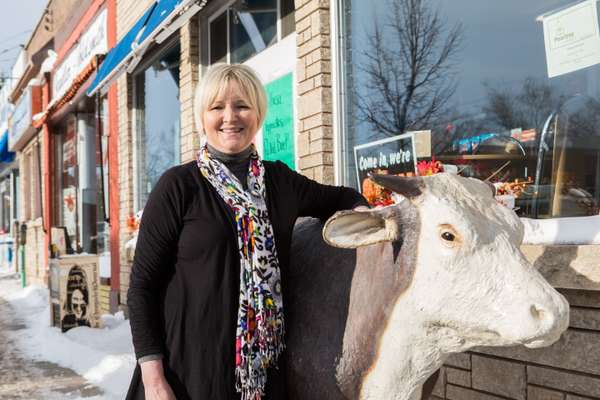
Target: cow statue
<point>438,272</point>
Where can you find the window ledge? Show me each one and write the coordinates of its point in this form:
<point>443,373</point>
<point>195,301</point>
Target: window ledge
<point>567,266</point>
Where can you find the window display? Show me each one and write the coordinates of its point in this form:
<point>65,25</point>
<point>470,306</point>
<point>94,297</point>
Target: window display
<point>484,93</point>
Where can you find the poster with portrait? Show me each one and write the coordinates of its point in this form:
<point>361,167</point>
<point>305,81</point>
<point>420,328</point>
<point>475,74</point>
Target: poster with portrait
<point>78,295</point>
<point>395,155</point>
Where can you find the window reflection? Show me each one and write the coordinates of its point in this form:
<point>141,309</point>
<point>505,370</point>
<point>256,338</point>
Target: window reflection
<point>158,145</point>
<point>475,75</point>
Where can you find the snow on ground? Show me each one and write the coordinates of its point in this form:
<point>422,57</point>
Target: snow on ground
<point>102,356</point>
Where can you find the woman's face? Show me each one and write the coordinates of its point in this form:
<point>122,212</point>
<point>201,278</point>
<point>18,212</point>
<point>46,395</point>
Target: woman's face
<point>78,304</point>
<point>230,123</point>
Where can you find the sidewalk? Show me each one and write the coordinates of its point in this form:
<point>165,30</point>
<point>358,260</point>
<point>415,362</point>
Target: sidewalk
<point>39,362</point>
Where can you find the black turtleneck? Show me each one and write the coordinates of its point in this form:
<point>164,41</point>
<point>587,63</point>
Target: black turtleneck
<point>237,163</point>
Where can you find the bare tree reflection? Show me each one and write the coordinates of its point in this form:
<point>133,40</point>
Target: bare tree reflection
<point>527,108</point>
<point>410,69</point>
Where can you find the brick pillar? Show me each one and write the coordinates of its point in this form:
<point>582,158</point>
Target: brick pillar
<point>315,122</point>
<point>188,80</point>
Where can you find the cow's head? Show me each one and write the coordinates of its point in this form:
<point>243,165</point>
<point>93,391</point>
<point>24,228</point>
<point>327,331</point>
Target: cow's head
<point>471,283</point>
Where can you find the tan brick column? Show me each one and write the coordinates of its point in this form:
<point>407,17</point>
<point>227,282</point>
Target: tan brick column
<point>126,176</point>
<point>315,131</point>
<point>188,79</point>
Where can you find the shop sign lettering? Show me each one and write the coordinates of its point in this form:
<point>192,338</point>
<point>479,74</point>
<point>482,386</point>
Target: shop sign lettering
<point>278,128</point>
<point>395,155</point>
<point>91,43</point>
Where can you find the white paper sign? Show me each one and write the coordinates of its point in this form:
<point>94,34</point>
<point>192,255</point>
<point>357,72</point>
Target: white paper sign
<point>572,39</point>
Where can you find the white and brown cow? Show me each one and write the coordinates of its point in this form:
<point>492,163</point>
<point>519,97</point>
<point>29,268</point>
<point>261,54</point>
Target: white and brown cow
<point>406,285</point>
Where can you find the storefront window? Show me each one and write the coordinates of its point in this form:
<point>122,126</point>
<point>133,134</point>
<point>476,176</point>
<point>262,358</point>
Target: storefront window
<point>5,205</point>
<point>102,178</point>
<point>249,27</point>
<point>158,121</point>
<point>75,201</point>
<point>66,179</point>
<point>474,78</point>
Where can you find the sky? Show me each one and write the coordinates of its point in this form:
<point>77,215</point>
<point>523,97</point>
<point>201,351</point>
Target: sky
<point>17,20</point>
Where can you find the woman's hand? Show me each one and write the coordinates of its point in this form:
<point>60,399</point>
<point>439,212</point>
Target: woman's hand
<point>156,386</point>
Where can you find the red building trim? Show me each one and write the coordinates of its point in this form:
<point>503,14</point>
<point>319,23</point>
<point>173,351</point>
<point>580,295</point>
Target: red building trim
<point>47,176</point>
<point>113,160</point>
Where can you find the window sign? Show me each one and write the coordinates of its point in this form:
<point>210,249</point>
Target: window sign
<point>572,38</point>
<point>394,156</point>
<point>278,128</point>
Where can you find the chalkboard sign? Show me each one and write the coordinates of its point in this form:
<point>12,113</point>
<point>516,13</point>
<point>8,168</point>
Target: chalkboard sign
<point>395,155</point>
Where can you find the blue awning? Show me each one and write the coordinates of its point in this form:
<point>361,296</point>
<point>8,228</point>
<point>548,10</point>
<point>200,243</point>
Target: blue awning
<point>5,155</point>
<point>117,57</point>
<point>163,9</point>
<point>158,22</point>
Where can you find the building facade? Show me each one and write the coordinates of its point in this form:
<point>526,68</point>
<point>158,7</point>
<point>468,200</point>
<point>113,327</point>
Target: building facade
<point>392,86</point>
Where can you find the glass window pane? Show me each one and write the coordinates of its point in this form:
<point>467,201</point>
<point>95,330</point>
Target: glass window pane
<point>288,21</point>
<point>252,28</point>
<point>218,42</point>
<point>159,129</point>
<point>482,89</point>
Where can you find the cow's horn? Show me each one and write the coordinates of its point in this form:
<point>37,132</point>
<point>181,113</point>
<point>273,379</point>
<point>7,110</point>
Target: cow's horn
<point>408,187</point>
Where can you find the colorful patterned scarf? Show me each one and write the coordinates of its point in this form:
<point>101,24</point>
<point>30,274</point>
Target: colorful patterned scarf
<point>259,334</point>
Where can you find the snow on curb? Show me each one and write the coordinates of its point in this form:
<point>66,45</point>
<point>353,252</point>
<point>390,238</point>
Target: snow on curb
<point>102,356</point>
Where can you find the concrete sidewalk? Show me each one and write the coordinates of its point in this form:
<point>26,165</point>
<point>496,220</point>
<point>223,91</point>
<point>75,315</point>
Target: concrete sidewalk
<point>22,378</point>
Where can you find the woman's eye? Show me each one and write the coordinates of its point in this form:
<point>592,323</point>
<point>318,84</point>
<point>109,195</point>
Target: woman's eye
<point>449,237</point>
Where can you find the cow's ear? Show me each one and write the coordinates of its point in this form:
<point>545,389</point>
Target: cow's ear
<point>409,187</point>
<point>351,228</point>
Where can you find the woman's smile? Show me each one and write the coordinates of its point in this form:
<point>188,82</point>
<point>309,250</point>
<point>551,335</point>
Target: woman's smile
<point>230,123</point>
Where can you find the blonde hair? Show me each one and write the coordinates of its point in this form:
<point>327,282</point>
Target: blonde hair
<point>216,79</point>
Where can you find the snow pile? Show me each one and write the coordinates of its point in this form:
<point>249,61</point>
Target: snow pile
<point>576,230</point>
<point>102,356</point>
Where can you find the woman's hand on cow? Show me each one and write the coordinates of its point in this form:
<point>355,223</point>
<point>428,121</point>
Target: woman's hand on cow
<point>156,386</point>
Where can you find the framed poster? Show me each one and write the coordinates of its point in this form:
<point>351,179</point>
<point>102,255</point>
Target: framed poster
<point>278,128</point>
<point>395,155</point>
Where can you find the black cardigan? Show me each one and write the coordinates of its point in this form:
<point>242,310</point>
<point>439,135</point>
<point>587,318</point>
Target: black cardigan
<point>184,286</point>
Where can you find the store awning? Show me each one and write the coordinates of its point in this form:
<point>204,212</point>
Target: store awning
<point>116,60</point>
<point>158,22</point>
<point>5,155</point>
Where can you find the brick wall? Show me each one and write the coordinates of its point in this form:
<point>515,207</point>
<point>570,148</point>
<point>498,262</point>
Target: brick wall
<point>567,370</point>
<point>188,80</point>
<point>315,132</point>
<point>35,270</point>
<point>128,12</point>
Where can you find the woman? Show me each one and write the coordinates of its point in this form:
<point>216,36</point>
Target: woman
<point>205,296</point>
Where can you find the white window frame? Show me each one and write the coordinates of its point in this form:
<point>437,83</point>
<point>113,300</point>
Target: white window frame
<point>225,9</point>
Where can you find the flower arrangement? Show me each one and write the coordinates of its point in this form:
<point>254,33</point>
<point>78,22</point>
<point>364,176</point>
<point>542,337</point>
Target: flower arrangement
<point>428,168</point>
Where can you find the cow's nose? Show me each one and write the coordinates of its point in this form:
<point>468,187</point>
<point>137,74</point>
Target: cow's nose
<point>551,322</point>
<point>542,316</point>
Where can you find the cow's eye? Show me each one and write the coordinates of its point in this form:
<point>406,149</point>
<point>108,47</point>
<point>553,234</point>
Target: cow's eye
<point>449,237</point>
